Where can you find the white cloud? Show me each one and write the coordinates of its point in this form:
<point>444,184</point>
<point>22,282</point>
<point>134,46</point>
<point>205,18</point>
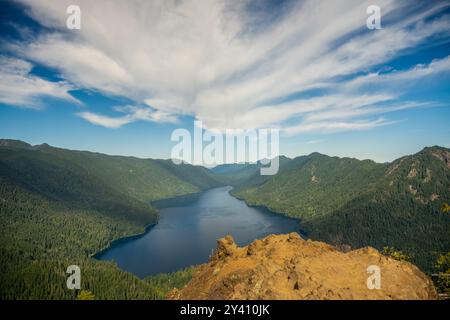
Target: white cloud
<point>132,114</point>
<point>104,121</point>
<point>314,141</point>
<point>225,66</point>
<point>19,87</point>
<point>397,79</point>
<point>337,126</point>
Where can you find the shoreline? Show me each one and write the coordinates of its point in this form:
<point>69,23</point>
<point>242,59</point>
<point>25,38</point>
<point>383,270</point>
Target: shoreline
<point>303,233</point>
<point>117,241</point>
<point>147,228</point>
<point>159,204</point>
<point>188,197</point>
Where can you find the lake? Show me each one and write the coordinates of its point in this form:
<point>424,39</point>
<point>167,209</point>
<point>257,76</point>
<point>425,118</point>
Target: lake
<point>188,229</point>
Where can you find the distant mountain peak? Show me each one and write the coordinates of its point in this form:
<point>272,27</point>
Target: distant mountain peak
<point>434,149</point>
<point>43,146</point>
<point>316,154</point>
<point>14,143</point>
<point>11,143</point>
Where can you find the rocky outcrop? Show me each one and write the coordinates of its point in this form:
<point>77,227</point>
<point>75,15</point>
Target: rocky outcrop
<point>289,267</point>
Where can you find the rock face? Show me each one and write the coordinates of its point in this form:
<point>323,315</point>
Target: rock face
<point>289,267</point>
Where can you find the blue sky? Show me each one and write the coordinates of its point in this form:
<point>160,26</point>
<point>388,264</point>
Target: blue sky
<point>137,70</point>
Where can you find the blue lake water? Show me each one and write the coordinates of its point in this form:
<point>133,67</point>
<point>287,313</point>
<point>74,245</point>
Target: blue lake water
<point>188,229</point>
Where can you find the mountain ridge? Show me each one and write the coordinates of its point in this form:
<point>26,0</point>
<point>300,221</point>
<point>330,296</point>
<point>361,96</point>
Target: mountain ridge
<point>60,206</point>
<point>383,204</point>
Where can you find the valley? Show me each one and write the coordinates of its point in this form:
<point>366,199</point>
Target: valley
<point>187,233</point>
<point>60,207</point>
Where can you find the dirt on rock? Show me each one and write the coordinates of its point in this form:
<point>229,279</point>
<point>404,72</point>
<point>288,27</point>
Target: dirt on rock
<point>289,267</point>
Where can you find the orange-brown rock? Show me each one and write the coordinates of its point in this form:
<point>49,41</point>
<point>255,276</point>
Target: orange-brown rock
<point>289,267</point>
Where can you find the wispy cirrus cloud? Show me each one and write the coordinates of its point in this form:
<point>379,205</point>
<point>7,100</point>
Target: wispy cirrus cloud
<point>314,141</point>
<point>394,80</point>
<point>132,113</point>
<point>230,66</point>
<point>337,126</point>
<point>19,87</point>
<point>104,121</point>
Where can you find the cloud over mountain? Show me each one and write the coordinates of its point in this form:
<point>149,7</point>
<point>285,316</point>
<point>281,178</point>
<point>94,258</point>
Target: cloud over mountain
<point>303,66</point>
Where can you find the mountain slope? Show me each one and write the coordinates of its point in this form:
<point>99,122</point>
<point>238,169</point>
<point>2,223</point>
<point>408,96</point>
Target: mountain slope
<point>61,181</point>
<point>359,203</point>
<point>312,186</point>
<point>402,210</point>
<point>244,174</point>
<point>58,207</point>
<point>198,176</point>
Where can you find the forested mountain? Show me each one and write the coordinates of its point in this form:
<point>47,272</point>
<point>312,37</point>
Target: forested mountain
<point>244,174</point>
<point>348,201</point>
<point>198,176</point>
<point>58,207</point>
<point>143,179</point>
<point>312,186</point>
